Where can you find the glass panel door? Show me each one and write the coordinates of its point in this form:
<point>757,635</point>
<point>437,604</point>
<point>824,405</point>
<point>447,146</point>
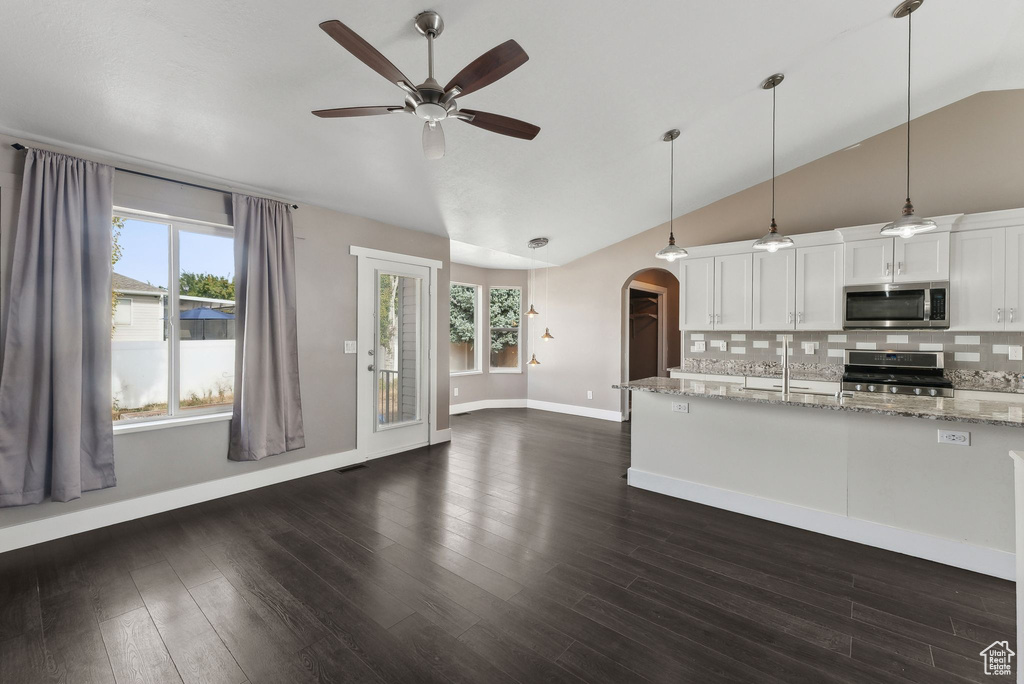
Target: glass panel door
<point>398,350</point>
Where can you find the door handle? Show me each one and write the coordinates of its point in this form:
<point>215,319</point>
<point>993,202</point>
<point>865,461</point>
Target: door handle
<point>1011,314</point>
<point>800,317</point>
<point>790,316</point>
<point>999,315</point>
<point>370,368</point>
<point>888,268</point>
<point>899,268</point>
<point>709,319</point>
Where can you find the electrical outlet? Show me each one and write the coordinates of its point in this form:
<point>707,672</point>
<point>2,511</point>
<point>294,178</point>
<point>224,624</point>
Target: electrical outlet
<point>700,345</point>
<point>680,407</point>
<point>809,347</point>
<point>1016,352</point>
<point>590,394</point>
<point>456,390</point>
<point>957,438</point>
<point>350,346</point>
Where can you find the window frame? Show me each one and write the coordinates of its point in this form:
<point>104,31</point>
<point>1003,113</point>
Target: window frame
<point>478,361</point>
<point>172,322</point>
<point>519,330</point>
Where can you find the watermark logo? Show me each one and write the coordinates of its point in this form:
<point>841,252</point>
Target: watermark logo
<point>998,658</point>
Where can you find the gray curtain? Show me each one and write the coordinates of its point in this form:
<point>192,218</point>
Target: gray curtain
<point>56,432</point>
<point>267,415</point>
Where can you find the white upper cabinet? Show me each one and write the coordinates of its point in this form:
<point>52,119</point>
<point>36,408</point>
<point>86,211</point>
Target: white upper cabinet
<point>978,280</point>
<point>922,258</point>
<point>696,293</point>
<point>819,287</point>
<point>869,261</point>
<point>733,292</point>
<point>1014,278</point>
<point>774,276</point>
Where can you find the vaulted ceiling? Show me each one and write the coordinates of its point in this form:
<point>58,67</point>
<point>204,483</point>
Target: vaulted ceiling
<point>224,89</point>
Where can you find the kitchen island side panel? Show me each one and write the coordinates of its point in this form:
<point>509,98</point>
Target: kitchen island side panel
<point>886,470</point>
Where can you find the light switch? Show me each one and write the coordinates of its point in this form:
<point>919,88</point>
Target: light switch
<point>1016,352</point>
<point>350,346</point>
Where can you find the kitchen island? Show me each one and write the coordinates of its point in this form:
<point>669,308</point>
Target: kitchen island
<point>865,468</point>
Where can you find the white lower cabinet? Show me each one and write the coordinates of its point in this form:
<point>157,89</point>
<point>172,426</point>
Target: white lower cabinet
<point>733,292</point>
<point>819,288</point>
<point>774,275</point>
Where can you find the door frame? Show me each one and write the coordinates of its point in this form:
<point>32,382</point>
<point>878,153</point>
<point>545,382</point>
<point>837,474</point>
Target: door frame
<point>363,254</point>
<point>662,293</point>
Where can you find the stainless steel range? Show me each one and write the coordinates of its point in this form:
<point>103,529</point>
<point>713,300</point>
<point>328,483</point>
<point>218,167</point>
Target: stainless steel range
<point>896,372</point>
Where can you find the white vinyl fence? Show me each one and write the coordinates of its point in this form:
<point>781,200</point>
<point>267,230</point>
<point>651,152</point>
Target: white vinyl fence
<point>140,370</point>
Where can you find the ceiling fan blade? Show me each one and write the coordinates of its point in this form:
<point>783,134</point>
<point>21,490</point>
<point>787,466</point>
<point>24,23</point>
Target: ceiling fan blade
<point>433,140</point>
<point>496,123</point>
<point>365,53</point>
<point>354,111</point>
<point>489,67</point>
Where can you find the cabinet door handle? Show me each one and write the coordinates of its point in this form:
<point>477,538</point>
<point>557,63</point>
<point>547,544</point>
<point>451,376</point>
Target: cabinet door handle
<point>999,315</point>
<point>709,319</point>
<point>899,268</point>
<point>1011,314</point>
<point>790,316</point>
<point>888,268</point>
<point>800,317</point>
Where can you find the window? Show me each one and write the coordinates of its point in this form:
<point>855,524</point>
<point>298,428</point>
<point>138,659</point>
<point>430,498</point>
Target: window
<point>505,310</point>
<point>464,354</point>
<point>122,311</point>
<point>173,324</point>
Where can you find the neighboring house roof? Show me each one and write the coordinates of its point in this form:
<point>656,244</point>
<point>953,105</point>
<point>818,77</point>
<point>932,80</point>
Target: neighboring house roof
<point>122,283</point>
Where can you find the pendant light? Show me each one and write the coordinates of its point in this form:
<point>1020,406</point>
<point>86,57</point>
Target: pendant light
<point>671,252</point>
<point>908,225</point>
<point>533,361</point>
<point>547,336</point>
<point>773,242</point>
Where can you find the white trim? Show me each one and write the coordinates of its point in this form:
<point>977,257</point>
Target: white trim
<point>947,551</point>
<point>394,256</point>
<point>485,404</point>
<point>65,524</point>
<point>458,374</point>
<point>441,436</point>
<point>498,370</point>
<point>1008,218</point>
<point>162,423</point>
<point>584,411</point>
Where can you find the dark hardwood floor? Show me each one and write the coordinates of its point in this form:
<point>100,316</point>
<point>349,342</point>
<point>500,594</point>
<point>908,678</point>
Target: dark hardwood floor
<point>515,554</point>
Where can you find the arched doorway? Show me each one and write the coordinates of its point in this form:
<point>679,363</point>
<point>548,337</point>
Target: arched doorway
<point>650,327</point>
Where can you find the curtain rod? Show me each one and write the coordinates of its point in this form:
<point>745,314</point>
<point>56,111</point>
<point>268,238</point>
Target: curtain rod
<point>19,147</point>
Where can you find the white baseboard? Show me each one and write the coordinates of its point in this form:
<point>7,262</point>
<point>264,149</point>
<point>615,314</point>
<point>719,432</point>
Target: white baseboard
<point>967,556</point>
<point>574,410</point>
<point>65,524</point>
<point>440,436</point>
<point>486,404</point>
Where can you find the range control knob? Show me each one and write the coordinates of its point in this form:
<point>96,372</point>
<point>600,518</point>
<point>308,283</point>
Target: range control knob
<point>893,390</point>
<point>859,387</point>
<point>933,392</point>
<point>871,388</point>
<point>917,390</point>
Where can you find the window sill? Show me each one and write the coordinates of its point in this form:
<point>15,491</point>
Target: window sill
<point>505,370</point>
<point>144,426</point>
<point>472,372</point>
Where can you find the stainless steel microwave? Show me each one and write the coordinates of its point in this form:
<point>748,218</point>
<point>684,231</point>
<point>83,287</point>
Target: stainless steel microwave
<point>896,305</point>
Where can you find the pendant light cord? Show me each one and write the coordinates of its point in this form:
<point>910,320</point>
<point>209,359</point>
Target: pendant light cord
<point>910,29</point>
<point>672,191</point>
<point>773,155</point>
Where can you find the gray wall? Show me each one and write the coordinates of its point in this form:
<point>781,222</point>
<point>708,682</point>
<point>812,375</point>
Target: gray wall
<point>487,385</point>
<point>968,158</point>
<point>159,460</point>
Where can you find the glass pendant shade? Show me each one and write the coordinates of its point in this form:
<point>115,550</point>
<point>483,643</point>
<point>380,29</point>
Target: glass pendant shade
<point>671,252</point>
<point>773,242</point>
<point>532,312</point>
<point>547,335</point>
<point>908,225</point>
<point>533,361</point>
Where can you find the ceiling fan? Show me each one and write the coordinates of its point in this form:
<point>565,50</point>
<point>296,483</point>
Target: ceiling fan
<point>429,101</point>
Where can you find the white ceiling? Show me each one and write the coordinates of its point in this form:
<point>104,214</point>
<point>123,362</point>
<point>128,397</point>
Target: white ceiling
<point>224,89</point>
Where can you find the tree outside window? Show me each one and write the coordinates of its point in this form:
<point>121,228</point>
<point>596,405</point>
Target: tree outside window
<point>463,328</point>
<point>505,312</point>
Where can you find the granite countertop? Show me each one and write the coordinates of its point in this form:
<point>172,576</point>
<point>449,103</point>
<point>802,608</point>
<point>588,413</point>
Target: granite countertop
<point>990,412</point>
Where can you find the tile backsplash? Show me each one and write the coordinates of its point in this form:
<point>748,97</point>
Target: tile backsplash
<point>972,359</point>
